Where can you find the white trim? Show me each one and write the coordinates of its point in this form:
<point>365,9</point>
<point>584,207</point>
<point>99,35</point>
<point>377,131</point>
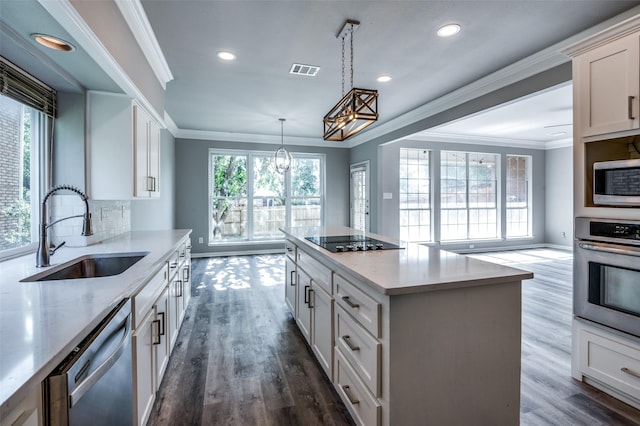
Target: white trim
<point>251,137</point>
<point>170,124</point>
<point>67,16</point>
<point>538,62</point>
<point>607,35</point>
<point>488,140</point>
<point>508,248</point>
<point>136,18</point>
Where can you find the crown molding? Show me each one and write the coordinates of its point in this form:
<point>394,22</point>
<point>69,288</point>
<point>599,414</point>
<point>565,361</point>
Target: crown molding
<point>170,124</point>
<point>487,140</point>
<point>543,60</point>
<point>252,138</point>
<point>67,16</point>
<point>136,18</point>
<point>604,36</point>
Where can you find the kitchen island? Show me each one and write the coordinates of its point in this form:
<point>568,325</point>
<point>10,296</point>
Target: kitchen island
<point>41,322</point>
<point>413,335</point>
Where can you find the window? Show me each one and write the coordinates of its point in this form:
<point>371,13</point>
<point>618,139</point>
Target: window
<point>250,201</point>
<point>415,195</point>
<point>469,208</point>
<point>25,110</point>
<point>518,196</point>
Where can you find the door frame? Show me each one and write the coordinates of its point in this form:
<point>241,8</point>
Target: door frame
<point>361,166</point>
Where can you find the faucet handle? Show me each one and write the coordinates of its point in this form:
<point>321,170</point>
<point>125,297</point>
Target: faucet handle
<point>53,250</point>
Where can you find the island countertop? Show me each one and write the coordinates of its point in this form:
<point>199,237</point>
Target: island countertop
<point>414,268</point>
<point>40,322</point>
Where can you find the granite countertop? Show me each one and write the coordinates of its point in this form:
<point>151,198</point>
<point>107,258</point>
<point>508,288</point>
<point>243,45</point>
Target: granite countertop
<point>414,268</point>
<point>41,322</point>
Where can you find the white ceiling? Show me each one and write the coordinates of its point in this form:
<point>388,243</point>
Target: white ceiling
<point>396,37</point>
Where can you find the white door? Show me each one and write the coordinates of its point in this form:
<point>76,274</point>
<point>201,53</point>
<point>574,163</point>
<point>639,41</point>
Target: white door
<point>360,196</point>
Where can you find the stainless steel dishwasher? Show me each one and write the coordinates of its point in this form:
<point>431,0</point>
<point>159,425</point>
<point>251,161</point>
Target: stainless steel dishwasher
<point>94,384</point>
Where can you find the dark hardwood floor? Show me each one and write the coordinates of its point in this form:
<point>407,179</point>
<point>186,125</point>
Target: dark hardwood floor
<point>240,359</point>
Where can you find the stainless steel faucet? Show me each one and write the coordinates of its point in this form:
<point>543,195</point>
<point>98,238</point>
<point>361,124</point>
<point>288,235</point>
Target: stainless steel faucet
<point>44,252</point>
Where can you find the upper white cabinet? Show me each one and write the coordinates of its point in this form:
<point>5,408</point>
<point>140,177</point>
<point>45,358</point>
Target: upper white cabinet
<point>607,81</point>
<point>123,149</point>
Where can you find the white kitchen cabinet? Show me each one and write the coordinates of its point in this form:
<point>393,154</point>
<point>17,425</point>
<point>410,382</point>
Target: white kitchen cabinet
<point>144,388</point>
<point>607,360</point>
<point>147,154</point>
<point>608,83</point>
<point>161,342</point>
<point>123,149</point>
<point>303,317</point>
<point>321,305</point>
<point>315,307</point>
<point>290,285</point>
<point>27,412</point>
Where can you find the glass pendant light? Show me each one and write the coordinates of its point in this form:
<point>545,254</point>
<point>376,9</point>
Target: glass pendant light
<point>282,158</point>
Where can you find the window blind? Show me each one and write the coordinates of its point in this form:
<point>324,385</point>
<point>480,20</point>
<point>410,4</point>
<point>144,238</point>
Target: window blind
<point>22,87</point>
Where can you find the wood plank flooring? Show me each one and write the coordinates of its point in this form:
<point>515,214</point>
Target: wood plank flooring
<point>240,359</point>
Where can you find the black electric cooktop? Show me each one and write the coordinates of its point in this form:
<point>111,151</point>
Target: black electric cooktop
<point>344,243</point>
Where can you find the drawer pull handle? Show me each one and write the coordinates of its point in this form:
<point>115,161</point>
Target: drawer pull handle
<point>153,341</point>
<point>350,397</point>
<point>162,327</point>
<point>348,301</point>
<point>306,295</point>
<point>630,371</point>
<point>178,288</point>
<point>293,281</point>
<point>630,107</point>
<point>347,340</point>
<point>309,304</point>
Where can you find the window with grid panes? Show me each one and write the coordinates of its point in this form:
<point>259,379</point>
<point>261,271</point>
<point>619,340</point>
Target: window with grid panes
<point>415,195</point>
<point>468,196</point>
<point>518,199</point>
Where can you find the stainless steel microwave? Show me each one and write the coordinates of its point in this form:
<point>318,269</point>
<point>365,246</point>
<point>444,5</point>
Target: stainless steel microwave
<point>617,183</point>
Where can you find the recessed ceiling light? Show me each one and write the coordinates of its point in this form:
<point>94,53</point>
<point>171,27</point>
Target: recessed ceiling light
<point>52,42</point>
<point>383,78</point>
<point>448,30</point>
<point>226,56</point>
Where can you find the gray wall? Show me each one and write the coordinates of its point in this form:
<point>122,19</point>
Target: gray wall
<point>388,181</point>
<point>559,190</point>
<point>68,145</point>
<point>191,201</point>
<point>154,214</point>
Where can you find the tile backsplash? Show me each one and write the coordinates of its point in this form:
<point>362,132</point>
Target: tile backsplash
<point>108,219</point>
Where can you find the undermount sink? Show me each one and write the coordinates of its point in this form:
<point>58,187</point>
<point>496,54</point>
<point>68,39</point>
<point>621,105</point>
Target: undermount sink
<point>90,266</point>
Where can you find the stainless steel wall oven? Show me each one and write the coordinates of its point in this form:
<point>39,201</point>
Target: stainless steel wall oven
<point>607,273</point>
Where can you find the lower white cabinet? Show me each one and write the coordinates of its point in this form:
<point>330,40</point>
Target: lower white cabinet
<point>290,285</point>
<point>303,316</point>
<point>144,389</point>
<point>162,343</point>
<point>607,360</point>
<point>321,327</point>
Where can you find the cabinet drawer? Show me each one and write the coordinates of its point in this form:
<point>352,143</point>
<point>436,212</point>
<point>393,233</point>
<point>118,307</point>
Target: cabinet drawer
<point>144,300</point>
<point>363,406</point>
<point>361,349</point>
<point>357,303</point>
<point>173,262</point>
<point>611,362</point>
<point>290,250</point>
<point>320,274</point>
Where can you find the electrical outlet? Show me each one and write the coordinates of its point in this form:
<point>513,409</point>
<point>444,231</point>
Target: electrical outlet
<point>200,240</point>
<point>471,246</point>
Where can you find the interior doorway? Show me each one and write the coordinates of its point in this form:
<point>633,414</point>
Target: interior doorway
<point>359,196</point>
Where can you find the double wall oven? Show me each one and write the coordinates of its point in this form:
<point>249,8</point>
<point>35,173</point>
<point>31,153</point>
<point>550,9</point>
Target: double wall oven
<point>607,273</point>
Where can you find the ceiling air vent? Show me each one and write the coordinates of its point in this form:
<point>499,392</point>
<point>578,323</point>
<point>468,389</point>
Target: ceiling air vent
<point>301,69</point>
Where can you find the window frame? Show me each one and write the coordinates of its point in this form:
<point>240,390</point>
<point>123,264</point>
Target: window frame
<point>467,209</point>
<point>250,196</point>
<point>430,208</point>
<point>529,197</point>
